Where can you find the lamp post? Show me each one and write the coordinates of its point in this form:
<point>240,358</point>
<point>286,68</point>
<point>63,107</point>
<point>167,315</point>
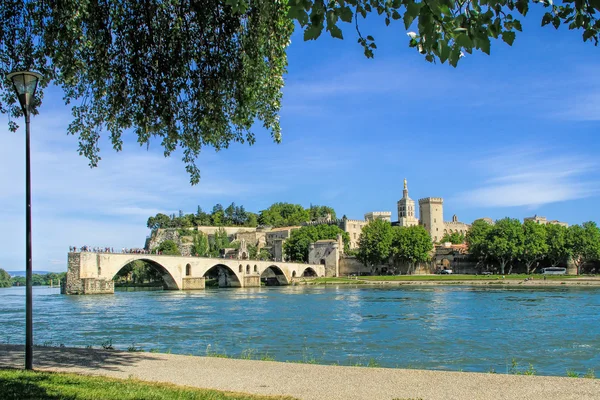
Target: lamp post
<point>25,84</point>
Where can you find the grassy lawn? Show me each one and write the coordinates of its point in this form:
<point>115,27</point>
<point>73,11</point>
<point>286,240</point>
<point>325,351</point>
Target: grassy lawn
<point>453,278</point>
<point>22,385</point>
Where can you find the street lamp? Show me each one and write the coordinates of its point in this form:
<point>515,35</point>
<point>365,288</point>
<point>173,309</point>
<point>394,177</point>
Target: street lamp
<point>25,84</point>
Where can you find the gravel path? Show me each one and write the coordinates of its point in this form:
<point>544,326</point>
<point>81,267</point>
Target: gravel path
<point>303,381</point>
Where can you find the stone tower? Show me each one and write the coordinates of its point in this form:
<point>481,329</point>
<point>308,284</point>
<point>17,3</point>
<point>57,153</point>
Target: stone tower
<point>406,209</point>
<point>431,212</point>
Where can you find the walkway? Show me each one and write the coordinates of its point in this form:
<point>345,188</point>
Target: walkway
<point>304,381</point>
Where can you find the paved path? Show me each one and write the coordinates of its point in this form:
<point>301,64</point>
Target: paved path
<point>304,381</point>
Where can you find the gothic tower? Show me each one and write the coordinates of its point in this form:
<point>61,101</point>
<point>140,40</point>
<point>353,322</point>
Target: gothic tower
<point>406,209</point>
<point>431,213</point>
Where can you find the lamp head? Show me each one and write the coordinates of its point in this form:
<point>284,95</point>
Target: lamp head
<point>25,84</point>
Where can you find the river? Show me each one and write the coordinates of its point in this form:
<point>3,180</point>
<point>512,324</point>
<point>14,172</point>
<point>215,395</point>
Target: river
<point>469,328</point>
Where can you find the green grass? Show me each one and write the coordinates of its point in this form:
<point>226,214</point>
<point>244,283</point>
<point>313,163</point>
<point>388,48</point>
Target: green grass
<point>19,384</point>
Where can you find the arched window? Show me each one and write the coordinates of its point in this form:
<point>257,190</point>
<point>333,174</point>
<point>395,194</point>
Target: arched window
<point>241,268</point>
<point>255,268</point>
<point>248,268</point>
<point>188,270</point>
<point>294,274</point>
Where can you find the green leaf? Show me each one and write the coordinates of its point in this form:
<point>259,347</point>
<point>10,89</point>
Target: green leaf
<point>508,37</point>
<point>546,19</point>
<point>346,14</point>
<point>444,51</point>
<point>335,32</point>
<point>556,22</point>
<point>312,32</point>
<point>484,44</point>
<point>412,11</point>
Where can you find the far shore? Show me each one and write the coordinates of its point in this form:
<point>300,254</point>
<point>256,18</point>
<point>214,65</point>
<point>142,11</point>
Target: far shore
<point>431,280</point>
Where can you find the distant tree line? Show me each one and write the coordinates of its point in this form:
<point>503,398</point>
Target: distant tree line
<point>509,242</point>
<point>36,279</point>
<point>277,215</point>
<point>381,243</point>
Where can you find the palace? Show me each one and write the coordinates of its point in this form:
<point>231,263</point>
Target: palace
<point>431,216</point>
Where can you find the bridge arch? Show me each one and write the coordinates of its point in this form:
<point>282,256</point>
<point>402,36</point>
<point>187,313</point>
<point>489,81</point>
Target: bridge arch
<point>169,281</point>
<point>309,272</point>
<point>224,275</point>
<point>274,276</point>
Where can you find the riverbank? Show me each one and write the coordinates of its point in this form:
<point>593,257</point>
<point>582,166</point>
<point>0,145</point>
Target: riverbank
<point>302,381</point>
<point>508,280</point>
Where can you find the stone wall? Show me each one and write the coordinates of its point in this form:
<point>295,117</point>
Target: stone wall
<point>351,266</point>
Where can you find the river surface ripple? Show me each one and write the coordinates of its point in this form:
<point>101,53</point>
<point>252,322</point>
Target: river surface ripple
<point>469,328</point>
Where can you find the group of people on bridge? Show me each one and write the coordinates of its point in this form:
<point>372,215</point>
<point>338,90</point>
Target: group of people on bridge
<point>73,249</point>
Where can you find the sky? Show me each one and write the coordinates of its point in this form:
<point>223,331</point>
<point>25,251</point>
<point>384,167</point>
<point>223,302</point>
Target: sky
<point>512,134</point>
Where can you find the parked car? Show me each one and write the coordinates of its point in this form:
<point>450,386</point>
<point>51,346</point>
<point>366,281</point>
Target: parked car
<point>446,272</point>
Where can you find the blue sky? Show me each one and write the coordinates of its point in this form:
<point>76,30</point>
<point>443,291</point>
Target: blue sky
<point>511,134</point>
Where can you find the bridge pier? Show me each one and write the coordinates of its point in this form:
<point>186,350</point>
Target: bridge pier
<point>74,284</point>
<point>193,283</point>
<point>252,281</point>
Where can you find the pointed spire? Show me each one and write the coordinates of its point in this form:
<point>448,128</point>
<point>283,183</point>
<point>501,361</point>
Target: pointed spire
<point>405,185</point>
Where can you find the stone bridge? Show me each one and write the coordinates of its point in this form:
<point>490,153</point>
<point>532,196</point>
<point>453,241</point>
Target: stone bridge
<point>93,273</point>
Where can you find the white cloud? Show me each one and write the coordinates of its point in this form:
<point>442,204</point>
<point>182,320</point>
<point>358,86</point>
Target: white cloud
<point>531,178</point>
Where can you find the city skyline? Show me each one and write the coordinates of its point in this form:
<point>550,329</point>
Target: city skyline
<point>511,134</point>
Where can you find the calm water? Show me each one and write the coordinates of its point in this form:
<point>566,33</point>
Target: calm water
<point>432,327</point>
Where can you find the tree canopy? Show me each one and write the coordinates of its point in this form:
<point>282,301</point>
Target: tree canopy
<point>169,248</point>
<point>444,28</point>
<point>196,74</point>
<point>454,238</point>
<point>584,243</point>
<point>277,215</point>
<point>4,279</point>
<point>411,244</point>
<point>508,242</point>
<point>374,243</point>
<point>296,248</point>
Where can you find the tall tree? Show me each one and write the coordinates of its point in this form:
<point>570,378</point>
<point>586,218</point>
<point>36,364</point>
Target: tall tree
<point>557,240</point>
<point>505,242</point>
<point>535,246</point>
<point>317,212</point>
<point>477,240</point>
<point>158,221</point>
<point>374,243</point>
<point>200,245</point>
<point>411,244</point>
<point>584,243</point>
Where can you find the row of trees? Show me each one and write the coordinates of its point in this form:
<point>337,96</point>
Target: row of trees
<point>36,279</point>
<point>277,215</point>
<point>380,243</point>
<point>509,242</point>
<point>296,247</point>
